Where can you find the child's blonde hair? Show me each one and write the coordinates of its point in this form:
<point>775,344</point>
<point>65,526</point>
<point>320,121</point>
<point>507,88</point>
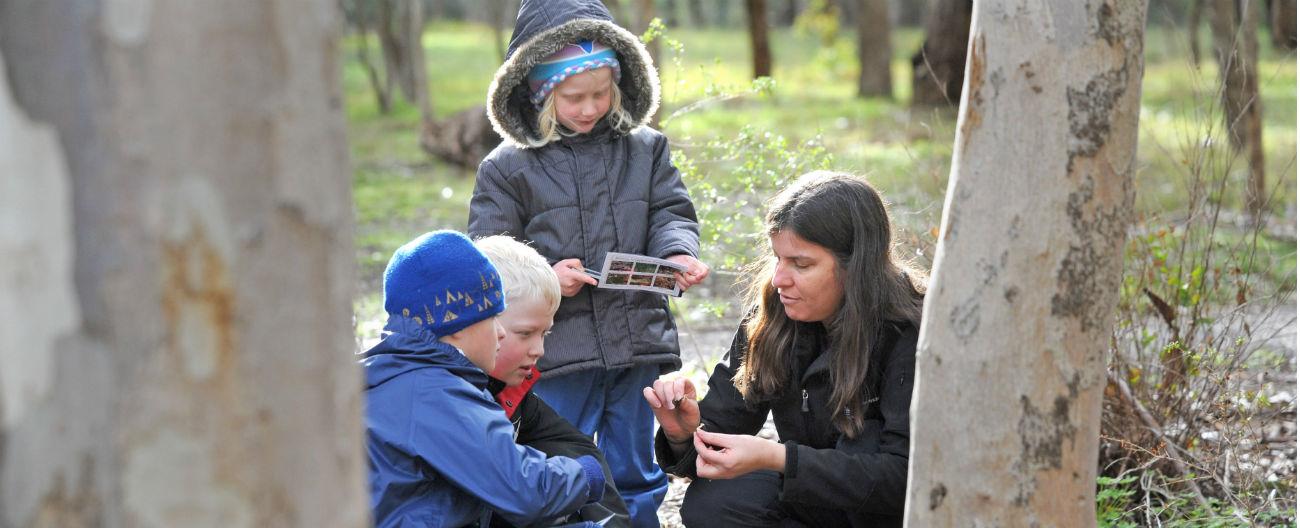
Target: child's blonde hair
<point>548,125</point>
<point>525,275</point>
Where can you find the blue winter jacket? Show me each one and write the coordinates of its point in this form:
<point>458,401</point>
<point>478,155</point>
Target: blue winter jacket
<point>442,453</point>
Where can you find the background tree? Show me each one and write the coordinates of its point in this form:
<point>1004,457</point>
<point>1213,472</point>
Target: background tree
<point>761,54</point>
<point>907,13</point>
<point>874,50</point>
<point>1236,48</point>
<point>1194,11</point>
<point>645,16</point>
<point>401,24</point>
<point>937,67</point>
<point>361,15</point>
<point>695,8</point>
<point>789,12</point>
<point>177,340</point>
<point>1282,18</point>
<point>1012,356</point>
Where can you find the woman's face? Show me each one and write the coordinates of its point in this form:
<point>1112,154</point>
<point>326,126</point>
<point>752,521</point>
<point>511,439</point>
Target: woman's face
<point>805,278</point>
<point>581,100</point>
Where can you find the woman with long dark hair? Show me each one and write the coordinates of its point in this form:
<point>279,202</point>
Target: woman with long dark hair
<point>828,347</point>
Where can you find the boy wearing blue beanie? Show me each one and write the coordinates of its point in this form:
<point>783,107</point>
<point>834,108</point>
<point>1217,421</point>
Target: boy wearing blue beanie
<point>441,451</point>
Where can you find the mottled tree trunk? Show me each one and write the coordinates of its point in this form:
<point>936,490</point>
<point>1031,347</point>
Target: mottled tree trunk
<point>1237,50</point>
<point>175,340</point>
<point>874,51</point>
<point>937,67</point>
<point>756,13</point>
<point>1012,356</point>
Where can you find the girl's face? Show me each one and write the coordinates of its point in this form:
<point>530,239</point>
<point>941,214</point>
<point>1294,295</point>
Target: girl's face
<point>805,278</point>
<point>581,100</point>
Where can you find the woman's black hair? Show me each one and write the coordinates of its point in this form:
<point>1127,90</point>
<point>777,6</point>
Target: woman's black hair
<point>845,215</point>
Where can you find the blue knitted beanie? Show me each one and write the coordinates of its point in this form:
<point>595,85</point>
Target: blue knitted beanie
<point>442,282</point>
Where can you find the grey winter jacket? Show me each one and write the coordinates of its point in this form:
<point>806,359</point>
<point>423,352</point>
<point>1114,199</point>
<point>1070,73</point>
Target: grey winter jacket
<point>586,195</point>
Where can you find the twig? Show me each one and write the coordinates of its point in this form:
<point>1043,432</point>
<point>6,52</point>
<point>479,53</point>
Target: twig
<point>1126,393</point>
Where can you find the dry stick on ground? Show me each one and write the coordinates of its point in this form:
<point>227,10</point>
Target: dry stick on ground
<point>1126,393</point>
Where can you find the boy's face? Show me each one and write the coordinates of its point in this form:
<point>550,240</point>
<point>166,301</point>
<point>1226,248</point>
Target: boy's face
<point>480,342</point>
<point>581,100</point>
<point>526,323</point>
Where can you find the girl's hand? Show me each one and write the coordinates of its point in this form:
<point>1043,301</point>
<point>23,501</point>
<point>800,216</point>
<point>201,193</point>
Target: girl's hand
<point>695,272</point>
<point>724,456</point>
<point>672,399</point>
<point>572,277</point>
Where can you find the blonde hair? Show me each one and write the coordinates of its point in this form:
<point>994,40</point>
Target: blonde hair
<point>525,275</point>
<point>548,124</point>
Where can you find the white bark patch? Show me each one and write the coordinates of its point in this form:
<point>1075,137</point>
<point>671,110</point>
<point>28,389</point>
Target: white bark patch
<point>169,481</point>
<point>37,300</point>
<point>126,22</point>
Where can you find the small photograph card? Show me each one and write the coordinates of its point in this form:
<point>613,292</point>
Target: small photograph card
<point>625,271</point>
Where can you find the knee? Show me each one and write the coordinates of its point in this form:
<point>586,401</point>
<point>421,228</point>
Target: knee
<point>717,503</point>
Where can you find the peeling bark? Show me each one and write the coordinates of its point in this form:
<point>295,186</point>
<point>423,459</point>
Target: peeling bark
<point>1011,359</point>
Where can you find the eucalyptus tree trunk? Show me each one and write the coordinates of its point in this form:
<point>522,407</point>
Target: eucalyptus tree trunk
<point>1011,362</point>
<point>874,50</point>
<point>1237,50</point>
<point>175,334</point>
<point>938,66</point>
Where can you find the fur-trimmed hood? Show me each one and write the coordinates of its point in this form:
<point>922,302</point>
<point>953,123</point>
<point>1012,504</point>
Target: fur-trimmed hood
<point>545,26</point>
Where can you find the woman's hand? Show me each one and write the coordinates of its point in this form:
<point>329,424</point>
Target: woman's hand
<point>695,272</point>
<point>724,456</point>
<point>572,277</point>
<point>672,399</point>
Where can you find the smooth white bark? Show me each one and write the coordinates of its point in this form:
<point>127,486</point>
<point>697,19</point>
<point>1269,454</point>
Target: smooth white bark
<point>179,352</point>
<point>1011,362</point>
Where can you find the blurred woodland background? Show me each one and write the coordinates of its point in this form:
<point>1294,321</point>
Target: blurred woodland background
<point>1199,420</point>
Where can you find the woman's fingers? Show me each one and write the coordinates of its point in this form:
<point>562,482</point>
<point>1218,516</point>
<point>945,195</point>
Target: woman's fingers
<point>652,398</point>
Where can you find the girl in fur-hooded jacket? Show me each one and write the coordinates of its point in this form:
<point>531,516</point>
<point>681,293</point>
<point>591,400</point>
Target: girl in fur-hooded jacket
<point>578,176</point>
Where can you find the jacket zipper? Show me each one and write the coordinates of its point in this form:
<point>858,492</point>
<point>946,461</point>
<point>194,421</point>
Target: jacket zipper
<point>804,407</point>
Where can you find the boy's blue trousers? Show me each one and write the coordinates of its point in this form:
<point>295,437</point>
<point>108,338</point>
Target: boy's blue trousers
<point>609,404</point>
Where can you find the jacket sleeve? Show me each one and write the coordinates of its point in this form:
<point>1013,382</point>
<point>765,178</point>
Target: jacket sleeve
<point>723,410</point>
<point>475,450</point>
<point>541,428</point>
<point>674,228</point>
<point>873,482</point>
<point>494,208</point>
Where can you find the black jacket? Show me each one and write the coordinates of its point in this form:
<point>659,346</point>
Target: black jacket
<point>538,426</point>
<point>587,195</point>
<point>866,476</point>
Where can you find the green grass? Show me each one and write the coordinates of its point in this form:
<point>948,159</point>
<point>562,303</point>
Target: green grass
<point>905,152</point>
